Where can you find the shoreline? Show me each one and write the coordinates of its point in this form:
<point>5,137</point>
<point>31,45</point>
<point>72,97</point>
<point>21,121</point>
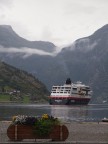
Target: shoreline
<point>79,132</point>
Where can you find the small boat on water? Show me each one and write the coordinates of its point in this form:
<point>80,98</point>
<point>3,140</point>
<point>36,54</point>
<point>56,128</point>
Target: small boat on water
<point>105,119</point>
<point>70,94</point>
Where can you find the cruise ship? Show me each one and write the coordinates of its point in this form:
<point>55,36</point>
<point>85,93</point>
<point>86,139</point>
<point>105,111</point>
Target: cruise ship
<point>70,94</point>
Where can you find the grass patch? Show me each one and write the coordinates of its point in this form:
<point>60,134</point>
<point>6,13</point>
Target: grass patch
<point>4,98</point>
<point>26,99</point>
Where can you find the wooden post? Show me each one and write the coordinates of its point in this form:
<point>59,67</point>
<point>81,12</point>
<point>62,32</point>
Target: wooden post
<point>61,136</point>
<point>16,130</point>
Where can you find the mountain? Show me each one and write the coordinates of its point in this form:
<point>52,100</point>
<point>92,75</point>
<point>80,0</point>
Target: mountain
<point>8,38</point>
<point>24,55</point>
<point>85,60</point>
<point>13,79</point>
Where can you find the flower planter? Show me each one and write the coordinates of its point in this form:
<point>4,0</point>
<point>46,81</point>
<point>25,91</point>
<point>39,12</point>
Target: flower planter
<point>20,132</point>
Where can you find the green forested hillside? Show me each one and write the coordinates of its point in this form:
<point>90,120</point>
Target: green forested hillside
<point>18,85</point>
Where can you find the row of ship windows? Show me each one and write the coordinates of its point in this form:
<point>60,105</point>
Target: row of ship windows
<point>74,89</point>
<point>65,92</point>
<point>60,92</point>
<point>65,89</point>
<point>61,87</point>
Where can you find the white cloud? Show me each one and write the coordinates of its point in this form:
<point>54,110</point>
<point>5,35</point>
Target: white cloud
<point>6,3</point>
<point>83,45</point>
<point>27,52</point>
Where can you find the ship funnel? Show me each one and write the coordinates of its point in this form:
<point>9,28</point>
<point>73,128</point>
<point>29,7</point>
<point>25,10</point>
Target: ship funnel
<point>68,81</point>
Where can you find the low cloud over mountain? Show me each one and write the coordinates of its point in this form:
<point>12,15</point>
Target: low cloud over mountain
<point>10,43</point>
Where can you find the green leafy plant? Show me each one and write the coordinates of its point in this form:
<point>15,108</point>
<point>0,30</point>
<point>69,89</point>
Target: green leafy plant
<point>45,124</point>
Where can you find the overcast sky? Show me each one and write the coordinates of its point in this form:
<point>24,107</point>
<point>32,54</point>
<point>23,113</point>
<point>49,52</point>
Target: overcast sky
<point>57,21</point>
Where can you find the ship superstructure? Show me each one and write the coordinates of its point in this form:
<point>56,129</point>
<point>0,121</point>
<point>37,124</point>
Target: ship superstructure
<point>70,93</point>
